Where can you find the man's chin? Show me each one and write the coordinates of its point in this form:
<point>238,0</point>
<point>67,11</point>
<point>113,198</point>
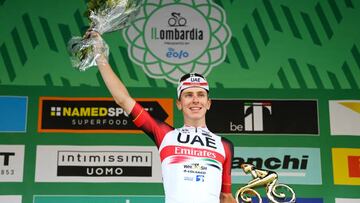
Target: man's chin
<point>196,116</point>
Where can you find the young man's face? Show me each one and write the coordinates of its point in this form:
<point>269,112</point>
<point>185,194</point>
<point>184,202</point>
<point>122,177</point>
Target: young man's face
<point>194,103</point>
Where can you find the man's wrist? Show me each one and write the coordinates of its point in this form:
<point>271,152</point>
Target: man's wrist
<point>101,60</point>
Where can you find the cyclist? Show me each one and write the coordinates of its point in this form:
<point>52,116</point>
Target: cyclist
<point>196,164</point>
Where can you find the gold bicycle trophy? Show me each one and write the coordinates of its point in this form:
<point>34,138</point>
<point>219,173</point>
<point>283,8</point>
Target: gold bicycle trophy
<point>267,179</point>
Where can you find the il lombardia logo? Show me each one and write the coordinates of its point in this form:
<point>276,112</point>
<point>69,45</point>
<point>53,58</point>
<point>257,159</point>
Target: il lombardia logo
<point>172,37</point>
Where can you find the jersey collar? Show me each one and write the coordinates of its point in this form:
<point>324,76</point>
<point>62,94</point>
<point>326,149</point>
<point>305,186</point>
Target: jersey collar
<point>204,128</point>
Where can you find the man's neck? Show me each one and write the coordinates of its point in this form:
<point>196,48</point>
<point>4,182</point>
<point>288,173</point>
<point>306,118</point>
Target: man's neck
<point>196,123</point>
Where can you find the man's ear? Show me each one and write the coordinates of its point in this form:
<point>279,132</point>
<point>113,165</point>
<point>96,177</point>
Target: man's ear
<point>178,104</point>
<point>209,104</point>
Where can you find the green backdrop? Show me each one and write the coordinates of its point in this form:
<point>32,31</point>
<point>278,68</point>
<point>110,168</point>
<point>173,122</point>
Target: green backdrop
<point>279,49</point>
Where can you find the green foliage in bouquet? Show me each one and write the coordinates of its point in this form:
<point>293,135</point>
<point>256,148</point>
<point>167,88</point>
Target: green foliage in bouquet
<point>83,53</point>
<point>100,6</point>
<point>105,16</point>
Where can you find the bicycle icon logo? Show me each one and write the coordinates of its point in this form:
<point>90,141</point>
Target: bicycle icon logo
<point>176,20</point>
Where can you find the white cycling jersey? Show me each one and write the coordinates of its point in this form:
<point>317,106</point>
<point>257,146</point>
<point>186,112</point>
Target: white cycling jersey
<point>196,164</point>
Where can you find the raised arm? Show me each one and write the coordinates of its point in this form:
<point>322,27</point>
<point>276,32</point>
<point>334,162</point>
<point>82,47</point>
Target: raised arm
<point>113,83</point>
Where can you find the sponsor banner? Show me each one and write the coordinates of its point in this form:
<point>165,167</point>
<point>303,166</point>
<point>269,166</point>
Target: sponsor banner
<point>11,163</point>
<point>345,117</point>
<point>13,113</point>
<point>99,199</point>
<point>263,117</point>
<point>10,198</point>
<point>346,166</point>
<point>96,114</point>
<point>293,165</point>
<point>309,200</point>
<point>176,37</point>
<point>298,200</point>
<point>346,200</point>
<point>97,164</point>
<point>132,199</point>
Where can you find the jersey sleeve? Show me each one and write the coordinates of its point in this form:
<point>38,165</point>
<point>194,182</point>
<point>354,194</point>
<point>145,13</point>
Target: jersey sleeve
<point>155,129</point>
<point>226,175</point>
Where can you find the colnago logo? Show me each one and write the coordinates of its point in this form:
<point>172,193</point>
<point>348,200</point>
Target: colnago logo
<point>293,165</point>
<point>171,36</point>
<point>254,115</point>
<point>195,168</point>
<point>104,163</point>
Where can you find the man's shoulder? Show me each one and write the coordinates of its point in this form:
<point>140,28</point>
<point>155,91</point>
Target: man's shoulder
<point>227,141</point>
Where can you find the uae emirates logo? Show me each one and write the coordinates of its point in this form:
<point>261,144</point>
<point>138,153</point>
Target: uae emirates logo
<point>172,37</point>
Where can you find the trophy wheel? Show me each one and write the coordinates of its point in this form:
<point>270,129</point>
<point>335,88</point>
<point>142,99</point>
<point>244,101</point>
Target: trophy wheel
<point>245,195</point>
<point>281,193</point>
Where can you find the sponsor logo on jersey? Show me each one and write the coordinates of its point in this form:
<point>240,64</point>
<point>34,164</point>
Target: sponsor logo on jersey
<point>11,163</point>
<point>200,178</point>
<point>195,178</point>
<point>13,113</point>
<point>293,165</point>
<point>96,114</point>
<point>263,117</point>
<point>189,178</point>
<point>346,165</point>
<point>197,140</point>
<point>345,117</point>
<point>195,168</point>
<point>96,164</point>
<point>181,154</point>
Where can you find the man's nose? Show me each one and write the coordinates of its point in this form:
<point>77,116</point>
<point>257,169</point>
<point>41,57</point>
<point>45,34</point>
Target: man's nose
<point>195,98</point>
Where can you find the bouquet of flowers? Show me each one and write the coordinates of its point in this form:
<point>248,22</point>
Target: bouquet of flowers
<point>105,16</point>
